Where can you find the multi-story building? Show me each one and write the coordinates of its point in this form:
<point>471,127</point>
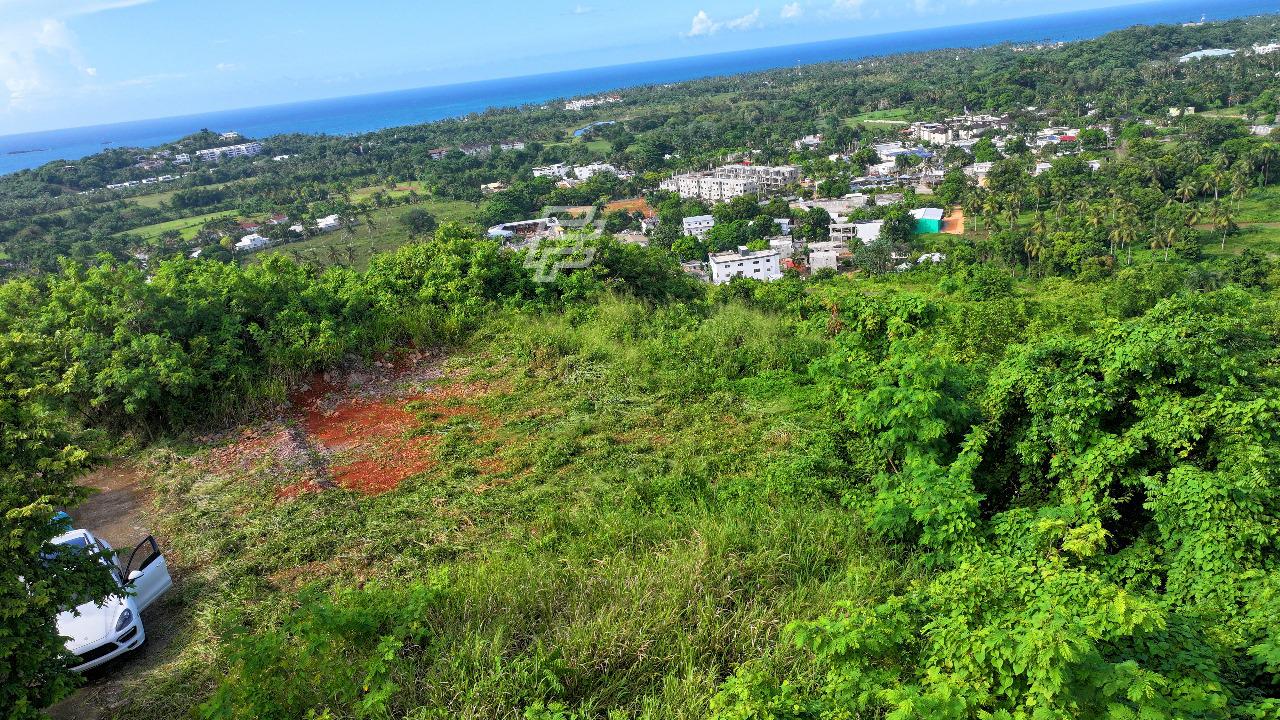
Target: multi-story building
<point>850,233</point>
<point>248,149</point>
<point>698,225</point>
<point>731,181</point>
<point>759,265</point>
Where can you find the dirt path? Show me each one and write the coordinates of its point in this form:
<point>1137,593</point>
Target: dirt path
<point>116,513</point>
<point>954,224</point>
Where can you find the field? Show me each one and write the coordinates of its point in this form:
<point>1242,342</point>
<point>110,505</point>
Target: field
<point>187,227</point>
<point>356,246</point>
<point>400,190</point>
<point>895,116</point>
<point>591,508</point>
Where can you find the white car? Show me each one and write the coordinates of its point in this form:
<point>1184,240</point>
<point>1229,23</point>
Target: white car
<point>99,633</point>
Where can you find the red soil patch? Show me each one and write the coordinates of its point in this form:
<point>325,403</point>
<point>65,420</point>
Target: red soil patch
<point>632,205</point>
<point>364,422</point>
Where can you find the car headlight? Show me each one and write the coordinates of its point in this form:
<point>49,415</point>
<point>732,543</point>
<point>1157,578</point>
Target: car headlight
<point>125,619</point>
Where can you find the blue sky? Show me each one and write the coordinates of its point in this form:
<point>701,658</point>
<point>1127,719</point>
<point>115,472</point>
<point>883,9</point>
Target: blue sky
<point>66,63</point>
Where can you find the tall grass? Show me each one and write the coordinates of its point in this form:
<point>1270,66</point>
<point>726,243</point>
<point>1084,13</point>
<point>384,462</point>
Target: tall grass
<point>662,501</point>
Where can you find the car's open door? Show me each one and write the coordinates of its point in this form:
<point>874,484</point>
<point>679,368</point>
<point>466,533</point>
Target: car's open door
<point>147,572</point>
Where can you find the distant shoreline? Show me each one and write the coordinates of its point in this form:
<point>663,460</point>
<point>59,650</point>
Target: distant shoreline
<point>368,113</point>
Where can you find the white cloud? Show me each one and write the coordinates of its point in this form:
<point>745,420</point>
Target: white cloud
<point>703,24</point>
<point>226,67</point>
<point>746,22</point>
<point>582,10</point>
<point>792,10</point>
<point>848,7</point>
<point>39,56</point>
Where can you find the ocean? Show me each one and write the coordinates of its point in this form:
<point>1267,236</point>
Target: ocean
<point>364,113</point>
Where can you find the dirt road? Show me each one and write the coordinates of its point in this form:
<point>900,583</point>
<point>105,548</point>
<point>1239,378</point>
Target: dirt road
<point>117,513</point>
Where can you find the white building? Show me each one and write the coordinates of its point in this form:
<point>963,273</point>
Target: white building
<point>1210,53</point>
<point>808,142</point>
<point>328,223</point>
<point>759,265</point>
<point>249,243</point>
<point>1266,49</point>
<point>698,225</point>
<point>1262,130</point>
<point>849,233</point>
<point>731,181</point>
<point>559,170</point>
<point>586,172</point>
<point>541,227</point>
<point>248,149</point>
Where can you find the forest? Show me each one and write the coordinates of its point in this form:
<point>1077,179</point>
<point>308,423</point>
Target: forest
<point>1039,478</point>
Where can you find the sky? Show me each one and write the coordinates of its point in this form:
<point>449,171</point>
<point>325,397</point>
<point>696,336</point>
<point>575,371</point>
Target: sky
<point>71,63</point>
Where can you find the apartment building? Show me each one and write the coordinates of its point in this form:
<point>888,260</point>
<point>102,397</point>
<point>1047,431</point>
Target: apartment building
<point>731,181</point>
<point>248,149</point>
<point>759,265</point>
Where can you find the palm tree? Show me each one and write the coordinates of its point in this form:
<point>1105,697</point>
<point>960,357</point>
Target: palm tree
<point>1186,190</point>
<point>1164,239</point>
<point>1222,219</point>
<point>1034,247</point>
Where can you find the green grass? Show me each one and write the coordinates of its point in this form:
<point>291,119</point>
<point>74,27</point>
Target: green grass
<point>635,503</point>
<point>188,227</point>
<point>400,190</point>
<point>894,116</point>
<point>1261,206</point>
<point>357,246</point>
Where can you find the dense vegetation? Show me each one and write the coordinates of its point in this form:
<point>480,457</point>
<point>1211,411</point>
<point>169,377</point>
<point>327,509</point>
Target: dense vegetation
<point>1036,480</point>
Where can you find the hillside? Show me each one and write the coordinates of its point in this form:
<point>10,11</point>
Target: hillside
<point>1018,463</point>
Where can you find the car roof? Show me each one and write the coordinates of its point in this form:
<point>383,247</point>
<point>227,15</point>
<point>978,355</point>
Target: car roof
<point>79,538</point>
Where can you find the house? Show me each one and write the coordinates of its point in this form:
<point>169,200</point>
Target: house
<point>511,145</point>
<point>849,233</point>
<point>541,227</point>
<point>785,246</point>
<point>328,223</point>
<point>784,225</point>
<point>632,237</point>
<point>647,225</point>
<point>249,243</point>
<point>698,225</point>
<point>1175,112</point>
<point>477,149</point>
<point>181,159</point>
<point>935,257</point>
<point>838,208</point>
<point>586,172</point>
<point>1210,53</point>
<point>278,219</point>
<point>233,135</point>
<point>884,199</point>
<point>928,220</point>
<point>559,170</point>
<point>758,264</point>
<point>1266,49</point>
<point>438,153</point>
<point>493,187</point>
<point>808,142</point>
<point>1262,130</point>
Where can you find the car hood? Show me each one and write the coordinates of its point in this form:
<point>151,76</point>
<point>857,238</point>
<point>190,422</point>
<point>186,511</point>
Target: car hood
<point>93,623</point>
